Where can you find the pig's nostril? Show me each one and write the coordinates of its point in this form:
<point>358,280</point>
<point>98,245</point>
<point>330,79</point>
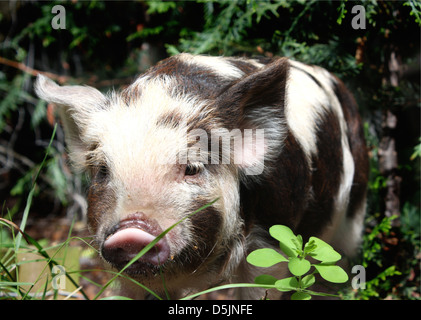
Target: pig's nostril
<point>124,245</point>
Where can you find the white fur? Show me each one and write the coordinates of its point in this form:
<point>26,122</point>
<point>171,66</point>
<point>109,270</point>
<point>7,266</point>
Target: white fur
<point>219,65</point>
<point>305,104</point>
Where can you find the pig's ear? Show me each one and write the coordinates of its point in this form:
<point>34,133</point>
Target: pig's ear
<point>265,87</point>
<point>76,106</point>
<point>259,101</point>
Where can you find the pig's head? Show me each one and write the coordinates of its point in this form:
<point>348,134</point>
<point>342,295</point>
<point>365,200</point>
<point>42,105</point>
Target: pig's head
<point>152,158</point>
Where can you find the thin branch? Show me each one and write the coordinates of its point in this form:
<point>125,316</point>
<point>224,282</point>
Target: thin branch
<point>34,72</point>
<point>65,79</point>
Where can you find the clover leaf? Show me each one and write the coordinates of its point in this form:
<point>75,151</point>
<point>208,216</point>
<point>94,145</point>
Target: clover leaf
<point>332,273</point>
<point>265,257</point>
<point>323,251</point>
<point>298,266</point>
<point>287,240</point>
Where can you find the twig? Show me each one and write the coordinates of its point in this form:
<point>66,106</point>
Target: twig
<point>73,294</point>
<point>15,226</point>
<point>34,72</point>
<point>65,79</point>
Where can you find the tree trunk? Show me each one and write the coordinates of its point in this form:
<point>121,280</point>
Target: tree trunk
<point>388,157</point>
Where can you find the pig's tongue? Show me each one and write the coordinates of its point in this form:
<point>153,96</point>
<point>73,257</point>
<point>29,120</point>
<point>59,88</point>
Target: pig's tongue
<point>127,243</point>
<point>132,239</point>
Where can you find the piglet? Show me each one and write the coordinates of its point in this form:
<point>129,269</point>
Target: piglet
<point>264,141</point>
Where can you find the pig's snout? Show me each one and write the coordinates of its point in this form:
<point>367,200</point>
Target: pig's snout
<point>129,237</point>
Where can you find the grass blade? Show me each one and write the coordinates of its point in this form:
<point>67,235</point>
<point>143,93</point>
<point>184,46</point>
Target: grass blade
<point>31,193</point>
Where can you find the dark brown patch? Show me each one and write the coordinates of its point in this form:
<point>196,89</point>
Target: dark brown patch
<point>170,120</point>
<point>204,250</point>
<point>244,65</point>
<point>101,200</point>
<point>265,87</point>
<point>327,171</point>
<point>130,94</point>
<point>282,197</point>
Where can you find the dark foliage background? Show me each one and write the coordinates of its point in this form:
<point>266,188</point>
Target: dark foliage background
<point>105,44</point>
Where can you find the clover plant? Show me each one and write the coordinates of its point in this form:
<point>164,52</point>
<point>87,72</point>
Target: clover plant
<point>297,256</point>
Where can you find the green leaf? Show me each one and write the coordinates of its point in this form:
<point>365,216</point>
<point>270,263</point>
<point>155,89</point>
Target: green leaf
<point>287,284</point>
<point>332,273</point>
<point>309,247</point>
<point>298,242</point>
<point>265,257</point>
<point>307,281</point>
<point>265,279</point>
<point>287,239</point>
<point>323,251</point>
<point>298,266</point>
<point>300,296</point>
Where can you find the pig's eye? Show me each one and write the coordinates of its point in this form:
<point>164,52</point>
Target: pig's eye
<point>101,173</point>
<point>192,169</point>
